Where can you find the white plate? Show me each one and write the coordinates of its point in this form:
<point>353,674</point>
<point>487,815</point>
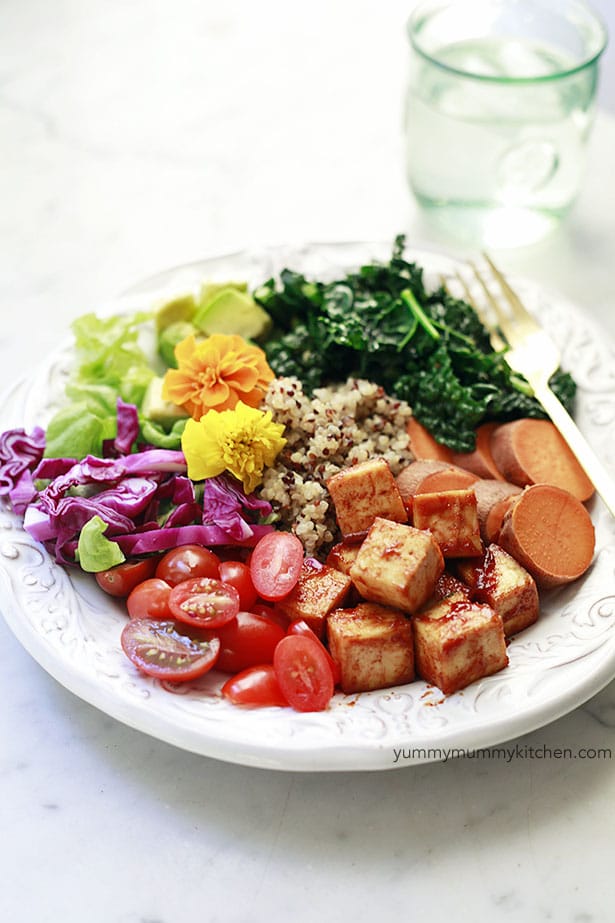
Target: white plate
<point>72,629</point>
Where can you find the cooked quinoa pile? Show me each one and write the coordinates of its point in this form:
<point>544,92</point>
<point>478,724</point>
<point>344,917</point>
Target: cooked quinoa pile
<point>339,426</point>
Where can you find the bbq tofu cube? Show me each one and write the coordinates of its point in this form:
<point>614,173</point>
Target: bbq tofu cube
<point>456,643</point>
<point>318,590</point>
<point>364,491</point>
<point>450,587</point>
<point>342,556</point>
<point>452,517</point>
<point>397,566</point>
<point>372,645</point>
<point>501,582</point>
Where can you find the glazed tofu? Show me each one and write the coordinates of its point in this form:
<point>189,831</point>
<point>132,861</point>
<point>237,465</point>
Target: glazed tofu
<point>342,556</point>
<point>373,646</point>
<point>318,590</point>
<point>364,491</point>
<point>448,586</point>
<point>452,517</point>
<point>456,643</point>
<point>397,566</point>
<point>501,582</point>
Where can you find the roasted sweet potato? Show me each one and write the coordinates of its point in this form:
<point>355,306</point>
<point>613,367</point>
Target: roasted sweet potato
<point>550,533</point>
<point>480,462</point>
<point>431,476</point>
<point>492,500</point>
<point>424,446</point>
<point>530,451</point>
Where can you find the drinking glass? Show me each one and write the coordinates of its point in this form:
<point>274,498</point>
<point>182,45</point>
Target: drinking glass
<point>500,102</point>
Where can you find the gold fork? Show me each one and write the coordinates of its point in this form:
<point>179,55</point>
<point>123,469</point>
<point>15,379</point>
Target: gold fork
<point>533,354</point>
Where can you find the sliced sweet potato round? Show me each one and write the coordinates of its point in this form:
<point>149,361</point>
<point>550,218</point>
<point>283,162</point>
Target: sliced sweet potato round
<point>531,451</point>
<point>550,533</point>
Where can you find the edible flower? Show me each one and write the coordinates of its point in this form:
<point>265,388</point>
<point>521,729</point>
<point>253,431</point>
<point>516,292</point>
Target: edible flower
<point>243,441</point>
<point>216,373</point>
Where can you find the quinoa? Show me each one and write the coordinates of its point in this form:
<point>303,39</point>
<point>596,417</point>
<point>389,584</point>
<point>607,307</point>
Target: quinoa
<point>341,425</point>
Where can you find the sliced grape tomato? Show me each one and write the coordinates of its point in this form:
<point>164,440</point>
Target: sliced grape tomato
<point>122,579</point>
<point>256,686</point>
<point>160,649</point>
<point>247,641</point>
<point>204,602</point>
<point>273,613</point>
<point>186,562</point>
<point>149,600</point>
<point>237,574</point>
<point>301,627</point>
<point>303,672</point>
<point>275,564</point>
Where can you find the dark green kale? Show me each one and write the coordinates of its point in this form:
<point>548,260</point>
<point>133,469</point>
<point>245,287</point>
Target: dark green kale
<point>427,348</point>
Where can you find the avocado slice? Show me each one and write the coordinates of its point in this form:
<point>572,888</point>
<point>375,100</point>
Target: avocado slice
<point>181,308</point>
<point>209,290</point>
<point>170,337</point>
<point>232,311</point>
<point>155,408</point>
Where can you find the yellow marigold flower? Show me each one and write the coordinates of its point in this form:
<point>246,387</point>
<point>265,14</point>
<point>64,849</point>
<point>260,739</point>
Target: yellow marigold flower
<point>216,373</point>
<point>243,441</point>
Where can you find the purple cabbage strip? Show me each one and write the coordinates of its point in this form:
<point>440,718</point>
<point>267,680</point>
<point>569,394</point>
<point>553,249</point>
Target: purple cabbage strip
<point>23,493</point>
<point>127,427</point>
<point>224,505</point>
<point>19,452</point>
<point>50,468</point>
<point>164,539</point>
<point>146,499</point>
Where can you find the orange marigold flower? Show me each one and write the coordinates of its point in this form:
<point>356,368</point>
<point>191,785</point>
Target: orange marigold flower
<point>216,373</point>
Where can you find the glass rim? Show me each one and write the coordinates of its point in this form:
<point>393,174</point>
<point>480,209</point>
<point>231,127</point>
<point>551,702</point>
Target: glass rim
<point>422,8</point>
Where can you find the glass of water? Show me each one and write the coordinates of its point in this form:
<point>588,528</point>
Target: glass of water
<point>500,102</point>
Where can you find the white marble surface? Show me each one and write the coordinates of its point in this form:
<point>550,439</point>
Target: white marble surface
<point>136,135</point>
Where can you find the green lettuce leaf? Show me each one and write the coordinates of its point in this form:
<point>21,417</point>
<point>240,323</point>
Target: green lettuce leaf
<point>74,432</point>
<point>109,363</point>
<point>94,551</point>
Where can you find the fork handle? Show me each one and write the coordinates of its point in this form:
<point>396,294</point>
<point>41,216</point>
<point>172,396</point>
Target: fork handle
<point>589,461</point>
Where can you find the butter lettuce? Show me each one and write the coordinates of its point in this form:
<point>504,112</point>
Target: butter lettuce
<point>110,363</point>
<point>95,552</point>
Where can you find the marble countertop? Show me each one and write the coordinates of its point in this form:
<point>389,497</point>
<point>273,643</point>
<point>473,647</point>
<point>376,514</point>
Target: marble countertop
<point>139,135</point>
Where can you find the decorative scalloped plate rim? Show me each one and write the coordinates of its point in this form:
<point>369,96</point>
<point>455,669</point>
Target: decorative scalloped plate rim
<point>72,629</point>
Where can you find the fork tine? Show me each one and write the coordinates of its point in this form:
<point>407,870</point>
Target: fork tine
<point>515,302</point>
<point>496,340</point>
<point>495,306</point>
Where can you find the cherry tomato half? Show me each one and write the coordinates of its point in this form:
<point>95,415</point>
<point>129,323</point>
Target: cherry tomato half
<point>254,686</point>
<point>303,672</point>
<point>270,612</point>
<point>301,627</point>
<point>275,564</point>
<point>149,600</point>
<point>204,602</point>
<point>247,641</point>
<point>160,650</point>
<point>187,561</point>
<point>121,580</point>
<point>237,574</point>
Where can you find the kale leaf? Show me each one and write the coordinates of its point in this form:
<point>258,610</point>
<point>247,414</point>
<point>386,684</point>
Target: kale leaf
<point>381,323</point>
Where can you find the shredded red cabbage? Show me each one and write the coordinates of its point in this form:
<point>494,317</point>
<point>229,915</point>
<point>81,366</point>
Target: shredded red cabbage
<point>20,453</point>
<point>145,497</point>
